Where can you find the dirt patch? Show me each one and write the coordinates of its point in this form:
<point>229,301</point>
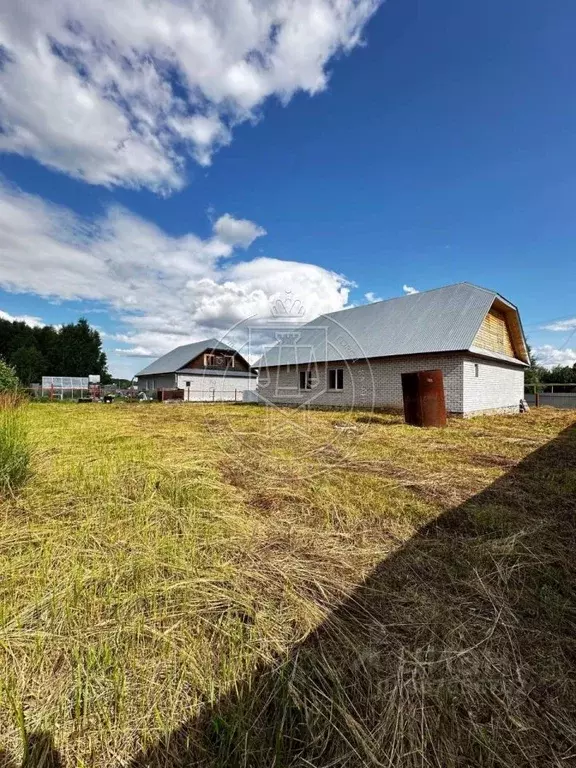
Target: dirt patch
<point>235,475</point>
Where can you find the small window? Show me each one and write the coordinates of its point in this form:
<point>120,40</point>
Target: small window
<point>336,378</point>
<point>305,379</point>
<point>218,361</point>
<point>187,383</point>
<point>476,370</point>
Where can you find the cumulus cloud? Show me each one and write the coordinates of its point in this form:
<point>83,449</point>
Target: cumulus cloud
<point>409,290</point>
<point>237,232</point>
<point>121,94</point>
<point>166,290</point>
<point>561,325</point>
<point>33,322</point>
<point>550,356</point>
<point>371,297</point>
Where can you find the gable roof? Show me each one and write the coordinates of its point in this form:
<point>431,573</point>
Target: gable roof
<point>176,359</point>
<point>441,320</point>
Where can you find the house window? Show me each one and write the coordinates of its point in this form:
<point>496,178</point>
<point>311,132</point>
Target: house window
<point>476,370</point>
<point>187,383</point>
<point>218,361</point>
<point>336,378</point>
<point>305,379</point>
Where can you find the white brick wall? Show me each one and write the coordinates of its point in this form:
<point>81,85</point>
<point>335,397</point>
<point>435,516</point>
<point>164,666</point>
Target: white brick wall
<point>498,386</point>
<point>378,383</point>
<point>217,388</point>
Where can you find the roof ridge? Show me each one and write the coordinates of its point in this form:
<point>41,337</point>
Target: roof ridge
<point>408,295</point>
<point>167,359</point>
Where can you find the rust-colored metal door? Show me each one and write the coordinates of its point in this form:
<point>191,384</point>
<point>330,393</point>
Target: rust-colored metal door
<point>424,403</point>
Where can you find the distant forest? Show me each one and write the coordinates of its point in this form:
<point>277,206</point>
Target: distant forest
<point>69,350</point>
<point>560,374</point>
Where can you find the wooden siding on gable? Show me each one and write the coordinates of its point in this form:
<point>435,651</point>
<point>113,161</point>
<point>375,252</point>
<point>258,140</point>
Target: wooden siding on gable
<point>494,334</point>
<point>198,362</point>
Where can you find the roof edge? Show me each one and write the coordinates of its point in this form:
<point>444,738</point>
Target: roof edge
<point>418,293</point>
<point>497,356</point>
<point>210,344</point>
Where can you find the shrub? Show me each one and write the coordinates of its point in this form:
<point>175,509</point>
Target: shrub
<point>14,446</point>
<point>8,379</point>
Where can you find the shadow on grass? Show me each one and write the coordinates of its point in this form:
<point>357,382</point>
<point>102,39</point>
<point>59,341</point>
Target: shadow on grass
<point>40,753</point>
<point>459,650</point>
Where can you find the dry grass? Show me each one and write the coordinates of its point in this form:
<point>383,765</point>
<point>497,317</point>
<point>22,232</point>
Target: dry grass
<point>230,586</point>
<point>14,448</point>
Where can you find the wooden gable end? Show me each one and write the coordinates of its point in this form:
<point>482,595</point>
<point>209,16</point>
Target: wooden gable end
<point>501,332</point>
<point>200,360</point>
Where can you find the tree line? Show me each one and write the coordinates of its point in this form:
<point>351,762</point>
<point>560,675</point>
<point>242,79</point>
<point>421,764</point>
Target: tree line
<point>74,349</point>
<point>536,374</point>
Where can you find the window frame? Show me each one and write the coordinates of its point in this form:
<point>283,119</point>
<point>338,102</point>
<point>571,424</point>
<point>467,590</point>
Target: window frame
<point>476,370</point>
<point>210,357</point>
<point>306,377</point>
<point>338,374</point>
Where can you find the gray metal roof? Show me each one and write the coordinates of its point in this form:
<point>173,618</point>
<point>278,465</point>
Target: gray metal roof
<point>177,358</point>
<point>441,320</point>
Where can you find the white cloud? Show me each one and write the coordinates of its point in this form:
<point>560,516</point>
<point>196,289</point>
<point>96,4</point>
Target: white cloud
<point>33,322</point>
<point>166,290</point>
<point>136,352</point>
<point>549,356</point>
<point>121,93</point>
<point>371,297</point>
<point>561,325</point>
<point>408,289</point>
<point>237,232</point>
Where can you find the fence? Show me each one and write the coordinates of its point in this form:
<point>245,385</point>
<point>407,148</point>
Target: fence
<point>552,395</point>
<point>210,395</point>
<point>556,400</point>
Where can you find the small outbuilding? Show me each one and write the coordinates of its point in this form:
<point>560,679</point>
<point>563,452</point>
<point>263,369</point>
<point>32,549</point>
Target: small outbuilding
<point>356,357</point>
<point>204,371</point>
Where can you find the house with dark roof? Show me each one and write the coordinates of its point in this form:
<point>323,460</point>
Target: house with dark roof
<point>205,371</point>
<point>355,357</point>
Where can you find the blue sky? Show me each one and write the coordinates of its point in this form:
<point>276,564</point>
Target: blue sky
<point>167,180</point>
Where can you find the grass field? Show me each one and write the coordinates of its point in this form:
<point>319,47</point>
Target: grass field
<point>233,586</point>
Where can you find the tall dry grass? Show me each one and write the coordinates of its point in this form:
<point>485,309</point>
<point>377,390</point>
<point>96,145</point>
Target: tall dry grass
<point>229,586</point>
<point>14,444</point>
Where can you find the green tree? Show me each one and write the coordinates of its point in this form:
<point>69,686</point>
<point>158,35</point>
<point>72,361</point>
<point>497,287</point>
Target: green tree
<point>533,375</point>
<point>48,343</point>
<point>73,350</point>
<point>29,364</point>
<point>561,374</point>
<point>80,351</point>
<point>8,378</point>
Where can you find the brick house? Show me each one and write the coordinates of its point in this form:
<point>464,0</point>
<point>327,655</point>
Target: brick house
<point>355,357</point>
<point>204,371</point>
